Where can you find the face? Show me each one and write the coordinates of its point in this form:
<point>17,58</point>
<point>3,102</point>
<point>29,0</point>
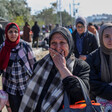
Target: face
<point>80,28</point>
<point>59,43</point>
<point>12,34</point>
<point>107,38</point>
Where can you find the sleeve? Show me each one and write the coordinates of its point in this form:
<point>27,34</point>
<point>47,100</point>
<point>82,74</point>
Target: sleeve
<point>71,84</point>
<point>95,44</point>
<point>98,87</point>
<point>31,57</point>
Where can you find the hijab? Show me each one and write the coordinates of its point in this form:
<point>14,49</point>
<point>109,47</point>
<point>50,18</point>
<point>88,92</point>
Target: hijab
<point>66,34</point>
<point>106,70</point>
<point>82,21</point>
<point>5,52</point>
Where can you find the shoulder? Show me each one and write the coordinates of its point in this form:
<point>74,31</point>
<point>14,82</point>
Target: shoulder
<point>41,61</point>
<point>24,43</point>
<point>81,64</point>
<point>95,53</point>
<point>89,34</point>
<point>74,33</point>
<point>93,57</point>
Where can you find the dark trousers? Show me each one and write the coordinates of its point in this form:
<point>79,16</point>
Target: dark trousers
<point>15,101</point>
<point>35,40</point>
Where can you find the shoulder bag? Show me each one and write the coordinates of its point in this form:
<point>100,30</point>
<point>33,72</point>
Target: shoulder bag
<point>87,105</point>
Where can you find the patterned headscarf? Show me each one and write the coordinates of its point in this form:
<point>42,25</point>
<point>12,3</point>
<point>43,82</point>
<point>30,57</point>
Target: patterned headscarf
<point>5,52</point>
<point>66,34</point>
<point>106,71</point>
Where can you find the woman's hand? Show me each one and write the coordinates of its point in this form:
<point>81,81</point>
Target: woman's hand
<point>83,57</point>
<point>58,59</point>
<point>60,62</point>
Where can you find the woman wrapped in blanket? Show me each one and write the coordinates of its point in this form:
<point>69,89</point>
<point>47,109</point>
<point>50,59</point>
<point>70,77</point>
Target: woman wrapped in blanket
<point>54,74</point>
<point>16,65</point>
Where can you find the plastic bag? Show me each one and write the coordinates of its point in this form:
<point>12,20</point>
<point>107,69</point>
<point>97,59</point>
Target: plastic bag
<point>3,99</point>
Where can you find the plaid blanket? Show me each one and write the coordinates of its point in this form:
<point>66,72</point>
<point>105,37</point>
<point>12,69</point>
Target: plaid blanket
<point>53,97</point>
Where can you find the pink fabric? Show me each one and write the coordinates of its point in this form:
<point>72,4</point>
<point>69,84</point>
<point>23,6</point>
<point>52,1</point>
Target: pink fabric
<point>3,99</point>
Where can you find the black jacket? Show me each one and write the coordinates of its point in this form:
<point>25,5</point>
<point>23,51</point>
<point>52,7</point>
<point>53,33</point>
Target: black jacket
<point>71,84</point>
<point>97,87</point>
<point>89,44</point>
<point>2,35</point>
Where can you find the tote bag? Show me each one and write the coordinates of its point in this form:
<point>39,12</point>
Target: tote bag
<point>90,107</point>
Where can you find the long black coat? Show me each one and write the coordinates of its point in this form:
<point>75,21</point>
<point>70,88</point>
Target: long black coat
<point>89,44</point>
<point>97,87</point>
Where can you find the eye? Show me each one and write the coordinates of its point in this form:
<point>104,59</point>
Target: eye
<point>62,43</point>
<point>53,43</point>
<point>106,36</point>
<point>16,31</point>
<point>10,31</point>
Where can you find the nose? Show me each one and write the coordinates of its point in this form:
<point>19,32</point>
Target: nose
<point>111,39</point>
<point>58,47</point>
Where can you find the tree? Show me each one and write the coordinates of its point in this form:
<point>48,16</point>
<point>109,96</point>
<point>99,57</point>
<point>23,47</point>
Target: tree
<point>66,19</point>
<point>3,8</point>
<point>47,16</point>
<point>11,9</point>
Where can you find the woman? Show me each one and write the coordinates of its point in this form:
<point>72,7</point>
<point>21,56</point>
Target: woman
<point>16,64</point>
<point>54,74</point>
<point>27,32</point>
<point>100,62</point>
<point>85,42</point>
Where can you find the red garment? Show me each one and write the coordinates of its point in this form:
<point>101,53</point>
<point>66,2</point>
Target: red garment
<point>5,52</point>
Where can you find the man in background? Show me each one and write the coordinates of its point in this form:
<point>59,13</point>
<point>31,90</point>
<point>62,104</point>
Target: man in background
<point>35,30</point>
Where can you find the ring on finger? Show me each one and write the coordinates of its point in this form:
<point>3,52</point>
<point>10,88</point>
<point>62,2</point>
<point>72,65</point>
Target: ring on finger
<point>54,55</point>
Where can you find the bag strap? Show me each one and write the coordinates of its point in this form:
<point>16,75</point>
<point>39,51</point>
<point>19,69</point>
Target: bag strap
<point>84,91</point>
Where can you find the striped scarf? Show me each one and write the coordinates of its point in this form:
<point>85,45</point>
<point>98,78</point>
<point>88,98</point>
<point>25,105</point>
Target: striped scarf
<point>54,96</point>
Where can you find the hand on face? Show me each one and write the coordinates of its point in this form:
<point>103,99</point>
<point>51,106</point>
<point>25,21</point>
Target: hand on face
<point>58,59</point>
<point>59,49</point>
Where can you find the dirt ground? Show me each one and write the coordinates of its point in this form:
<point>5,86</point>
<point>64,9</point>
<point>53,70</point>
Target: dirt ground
<point>42,54</point>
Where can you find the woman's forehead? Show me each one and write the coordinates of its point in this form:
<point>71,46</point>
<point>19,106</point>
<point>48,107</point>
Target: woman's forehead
<point>12,29</point>
<point>108,30</point>
<point>58,36</point>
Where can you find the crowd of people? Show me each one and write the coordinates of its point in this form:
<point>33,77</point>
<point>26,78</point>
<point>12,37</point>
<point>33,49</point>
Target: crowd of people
<point>38,86</point>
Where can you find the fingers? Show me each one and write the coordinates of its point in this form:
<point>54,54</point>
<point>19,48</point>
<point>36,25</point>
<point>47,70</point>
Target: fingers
<point>52,51</point>
<point>63,53</point>
<point>53,55</point>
